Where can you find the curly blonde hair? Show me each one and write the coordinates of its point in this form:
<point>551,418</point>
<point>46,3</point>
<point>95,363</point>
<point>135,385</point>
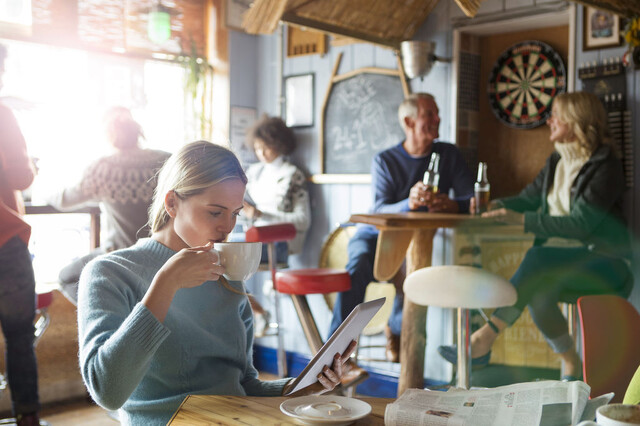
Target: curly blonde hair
<point>586,117</point>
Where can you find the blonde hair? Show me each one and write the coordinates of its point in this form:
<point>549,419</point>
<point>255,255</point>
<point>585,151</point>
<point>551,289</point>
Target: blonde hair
<point>190,171</point>
<point>586,117</point>
<point>409,107</point>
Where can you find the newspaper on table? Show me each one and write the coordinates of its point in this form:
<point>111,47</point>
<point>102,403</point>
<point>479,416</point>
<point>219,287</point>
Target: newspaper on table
<point>547,403</point>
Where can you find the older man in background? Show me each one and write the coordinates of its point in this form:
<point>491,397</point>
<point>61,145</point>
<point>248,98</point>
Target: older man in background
<point>397,184</point>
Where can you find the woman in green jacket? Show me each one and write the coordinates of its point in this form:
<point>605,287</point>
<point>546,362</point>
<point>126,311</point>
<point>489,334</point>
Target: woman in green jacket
<point>582,246</point>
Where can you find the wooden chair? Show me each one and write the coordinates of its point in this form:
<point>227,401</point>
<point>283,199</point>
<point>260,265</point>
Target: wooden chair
<point>610,332</point>
<point>334,255</point>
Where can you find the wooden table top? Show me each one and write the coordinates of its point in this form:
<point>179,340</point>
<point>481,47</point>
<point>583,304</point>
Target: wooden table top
<point>246,410</point>
<point>415,220</point>
<point>48,209</point>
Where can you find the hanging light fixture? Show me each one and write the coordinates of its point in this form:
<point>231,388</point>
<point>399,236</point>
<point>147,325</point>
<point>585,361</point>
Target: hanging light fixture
<point>159,26</point>
<point>418,57</point>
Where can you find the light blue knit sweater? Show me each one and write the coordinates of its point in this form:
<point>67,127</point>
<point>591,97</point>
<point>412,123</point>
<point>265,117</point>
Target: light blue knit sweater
<point>130,360</point>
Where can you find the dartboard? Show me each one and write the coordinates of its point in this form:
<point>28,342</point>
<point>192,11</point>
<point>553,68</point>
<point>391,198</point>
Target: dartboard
<point>523,83</point>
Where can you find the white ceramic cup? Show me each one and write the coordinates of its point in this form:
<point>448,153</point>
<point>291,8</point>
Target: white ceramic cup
<point>618,415</point>
<point>240,259</point>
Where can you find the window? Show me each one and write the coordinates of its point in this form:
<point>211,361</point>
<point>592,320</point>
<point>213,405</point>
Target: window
<point>59,96</point>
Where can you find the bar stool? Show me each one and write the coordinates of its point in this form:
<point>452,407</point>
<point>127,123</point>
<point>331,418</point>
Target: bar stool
<point>270,235</point>
<point>463,288</point>
<point>297,283</point>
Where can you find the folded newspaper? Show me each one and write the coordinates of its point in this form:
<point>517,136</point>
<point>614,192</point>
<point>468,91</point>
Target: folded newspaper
<point>547,403</point>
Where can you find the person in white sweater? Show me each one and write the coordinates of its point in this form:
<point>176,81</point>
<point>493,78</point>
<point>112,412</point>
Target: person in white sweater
<point>122,182</point>
<point>276,193</point>
<point>157,321</point>
<point>277,188</point>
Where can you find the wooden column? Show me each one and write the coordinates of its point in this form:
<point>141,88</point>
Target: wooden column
<point>414,317</point>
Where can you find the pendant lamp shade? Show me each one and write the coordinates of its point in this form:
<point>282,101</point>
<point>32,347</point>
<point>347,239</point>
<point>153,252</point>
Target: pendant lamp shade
<point>159,29</point>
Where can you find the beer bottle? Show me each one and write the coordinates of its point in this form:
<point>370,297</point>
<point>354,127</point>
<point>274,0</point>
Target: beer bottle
<point>482,189</point>
<point>432,177</point>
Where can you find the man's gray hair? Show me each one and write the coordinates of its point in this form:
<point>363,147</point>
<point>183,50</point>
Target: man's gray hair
<point>409,107</point>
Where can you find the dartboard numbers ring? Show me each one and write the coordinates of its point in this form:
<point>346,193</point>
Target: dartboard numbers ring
<point>523,83</point>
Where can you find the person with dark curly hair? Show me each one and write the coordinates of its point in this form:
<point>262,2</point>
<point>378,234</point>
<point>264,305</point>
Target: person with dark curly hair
<point>277,191</point>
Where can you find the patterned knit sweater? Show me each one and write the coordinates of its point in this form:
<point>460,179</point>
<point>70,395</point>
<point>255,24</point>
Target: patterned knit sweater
<point>124,183</point>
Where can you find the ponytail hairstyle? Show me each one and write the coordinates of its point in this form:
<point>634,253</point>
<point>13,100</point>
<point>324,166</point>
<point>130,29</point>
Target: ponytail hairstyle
<point>190,171</point>
<point>122,130</point>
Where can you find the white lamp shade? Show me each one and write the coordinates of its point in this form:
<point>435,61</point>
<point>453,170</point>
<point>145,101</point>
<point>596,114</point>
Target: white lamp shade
<point>453,286</point>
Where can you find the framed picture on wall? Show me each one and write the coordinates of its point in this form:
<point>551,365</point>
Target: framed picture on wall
<point>601,29</point>
<point>299,100</point>
<point>241,119</point>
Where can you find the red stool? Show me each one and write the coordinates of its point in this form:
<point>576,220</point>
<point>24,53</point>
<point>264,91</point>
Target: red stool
<point>300,282</point>
<point>297,283</point>
<point>270,235</point>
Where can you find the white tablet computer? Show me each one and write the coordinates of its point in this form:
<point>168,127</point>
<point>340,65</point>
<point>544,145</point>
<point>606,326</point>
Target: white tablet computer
<point>349,330</point>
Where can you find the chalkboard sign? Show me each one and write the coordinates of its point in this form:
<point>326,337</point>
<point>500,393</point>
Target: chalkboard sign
<point>360,119</point>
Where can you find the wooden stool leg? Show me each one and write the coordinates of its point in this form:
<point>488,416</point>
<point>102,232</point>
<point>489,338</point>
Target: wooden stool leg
<point>309,326</point>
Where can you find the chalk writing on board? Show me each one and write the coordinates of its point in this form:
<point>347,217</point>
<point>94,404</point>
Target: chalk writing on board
<point>361,119</point>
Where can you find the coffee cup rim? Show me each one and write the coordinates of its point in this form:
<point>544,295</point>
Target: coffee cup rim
<point>603,411</point>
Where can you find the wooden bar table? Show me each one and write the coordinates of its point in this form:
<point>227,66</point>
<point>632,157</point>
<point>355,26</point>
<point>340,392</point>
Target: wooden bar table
<point>94,211</point>
<point>409,236</point>
<point>252,410</point>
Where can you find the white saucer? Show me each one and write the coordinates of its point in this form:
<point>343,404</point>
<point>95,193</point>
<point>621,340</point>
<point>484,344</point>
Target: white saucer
<point>325,409</point>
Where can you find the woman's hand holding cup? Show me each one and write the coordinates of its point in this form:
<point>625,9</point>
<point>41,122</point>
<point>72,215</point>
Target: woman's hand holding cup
<point>191,267</point>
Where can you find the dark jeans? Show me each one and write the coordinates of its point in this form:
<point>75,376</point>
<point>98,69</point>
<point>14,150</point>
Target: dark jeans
<point>549,275</point>
<point>282,252</point>
<point>17,312</point>
<point>361,251</point>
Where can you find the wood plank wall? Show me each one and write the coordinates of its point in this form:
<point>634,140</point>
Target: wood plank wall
<point>514,156</point>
